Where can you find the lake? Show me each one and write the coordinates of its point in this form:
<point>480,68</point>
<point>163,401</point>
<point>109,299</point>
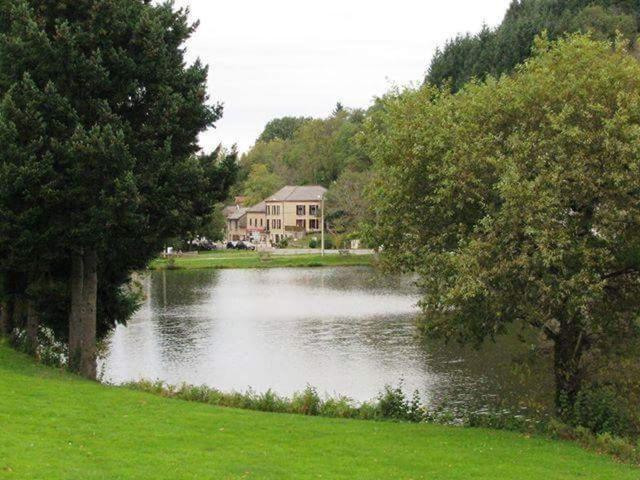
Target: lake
<point>346,331</point>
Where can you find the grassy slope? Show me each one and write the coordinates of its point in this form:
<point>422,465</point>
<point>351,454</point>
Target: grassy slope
<point>56,426</point>
<point>231,259</point>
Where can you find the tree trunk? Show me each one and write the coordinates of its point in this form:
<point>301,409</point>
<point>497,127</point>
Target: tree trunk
<point>82,316</point>
<point>569,347</point>
<point>75,312</point>
<point>19,313</point>
<point>33,324</point>
<point>5,318</point>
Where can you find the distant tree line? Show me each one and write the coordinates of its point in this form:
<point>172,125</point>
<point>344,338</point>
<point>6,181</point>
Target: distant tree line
<point>99,161</point>
<point>497,51</point>
<point>304,151</point>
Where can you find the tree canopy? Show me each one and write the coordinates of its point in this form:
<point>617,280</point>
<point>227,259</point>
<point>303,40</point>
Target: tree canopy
<point>518,202</point>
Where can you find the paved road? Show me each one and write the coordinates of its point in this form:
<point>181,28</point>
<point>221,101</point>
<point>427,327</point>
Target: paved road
<point>316,251</point>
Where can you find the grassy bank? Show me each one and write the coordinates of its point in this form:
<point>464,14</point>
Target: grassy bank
<point>57,426</point>
<point>234,259</point>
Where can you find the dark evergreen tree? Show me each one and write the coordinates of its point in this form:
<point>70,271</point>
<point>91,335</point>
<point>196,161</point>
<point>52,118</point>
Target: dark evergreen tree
<point>101,161</point>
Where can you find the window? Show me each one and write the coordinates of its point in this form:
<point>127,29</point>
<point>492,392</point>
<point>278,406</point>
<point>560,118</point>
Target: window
<point>268,225</point>
<point>301,210</point>
<point>279,224</point>
<point>300,224</point>
<point>268,210</point>
<point>314,210</point>
<point>251,222</point>
<point>261,224</point>
<point>314,225</point>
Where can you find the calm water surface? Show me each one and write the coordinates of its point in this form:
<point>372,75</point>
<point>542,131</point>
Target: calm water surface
<point>347,331</point>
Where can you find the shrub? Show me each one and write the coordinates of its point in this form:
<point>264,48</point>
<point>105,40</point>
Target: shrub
<point>283,243</point>
<point>313,243</point>
<point>394,404</point>
<point>600,409</point>
<point>307,402</point>
<point>271,402</point>
<point>340,407</point>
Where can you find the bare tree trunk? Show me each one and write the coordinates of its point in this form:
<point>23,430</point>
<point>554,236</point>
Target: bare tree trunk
<point>569,348</point>
<point>19,312</point>
<point>33,324</point>
<point>4,318</point>
<point>82,316</point>
<point>89,320</point>
<point>75,312</point>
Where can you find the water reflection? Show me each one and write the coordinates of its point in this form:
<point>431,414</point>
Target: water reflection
<point>345,330</point>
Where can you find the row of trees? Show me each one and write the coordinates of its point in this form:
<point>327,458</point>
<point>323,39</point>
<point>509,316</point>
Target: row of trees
<point>99,119</point>
<point>517,200</point>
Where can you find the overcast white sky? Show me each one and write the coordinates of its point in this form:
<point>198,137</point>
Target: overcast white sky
<point>271,58</point>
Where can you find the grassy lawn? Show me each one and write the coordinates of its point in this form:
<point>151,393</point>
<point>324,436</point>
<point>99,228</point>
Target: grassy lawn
<point>236,259</point>
<point>56,426</point>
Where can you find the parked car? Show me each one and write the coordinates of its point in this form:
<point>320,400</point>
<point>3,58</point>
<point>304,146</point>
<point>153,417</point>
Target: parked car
<point>250,246</point>
<point>208,246</point>
<point>231,245</point>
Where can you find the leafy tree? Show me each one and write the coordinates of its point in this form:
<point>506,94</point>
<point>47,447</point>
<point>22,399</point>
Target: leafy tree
<point>518,201</point>
<point>260,184</point>
<point>346,202</point>
<point>111,168</point>
<point>272,154</point>
<point>282,128</point>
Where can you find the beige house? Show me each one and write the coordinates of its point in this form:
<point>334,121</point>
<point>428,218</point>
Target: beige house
<point>257,223</point>
<point>236,224</point>
<point>294,212</point>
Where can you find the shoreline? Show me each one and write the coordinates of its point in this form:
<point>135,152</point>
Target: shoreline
<point>253,260</point>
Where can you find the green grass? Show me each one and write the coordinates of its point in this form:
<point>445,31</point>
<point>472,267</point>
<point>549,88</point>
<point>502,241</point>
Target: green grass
<point>56,426</point>
<point>235,259</point>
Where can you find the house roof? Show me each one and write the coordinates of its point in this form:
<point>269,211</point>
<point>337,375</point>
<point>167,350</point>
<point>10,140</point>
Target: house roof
<point>238,214</point>
<point>259,208</point>
<point>229,210</point>
<point>298,194</point>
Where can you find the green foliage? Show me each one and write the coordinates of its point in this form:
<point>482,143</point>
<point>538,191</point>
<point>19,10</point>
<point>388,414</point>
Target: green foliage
<point>518,199</point>
<point>317,152</point>
<point>283,243</point>
<point>602,410</point>
<point>307,402</point>
<point>498,51</point>
<point>394,404</point>
<point>282,128</point>
<point>260,184</point>
<point>347,206</point>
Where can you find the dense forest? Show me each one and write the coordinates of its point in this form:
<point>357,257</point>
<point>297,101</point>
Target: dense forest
<point>497,51</point>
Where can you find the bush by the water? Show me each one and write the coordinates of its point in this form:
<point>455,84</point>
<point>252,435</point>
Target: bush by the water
<point>391,404</point>
<point>600,409</point>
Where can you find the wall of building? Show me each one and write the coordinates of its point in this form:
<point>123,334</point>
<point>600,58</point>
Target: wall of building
<point>289,222</point>
<point>237,229</point>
